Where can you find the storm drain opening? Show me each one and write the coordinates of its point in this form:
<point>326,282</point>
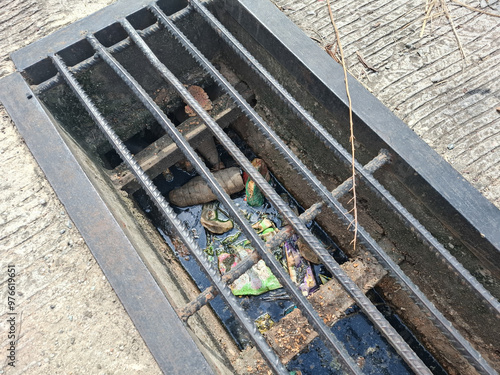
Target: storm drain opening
<point>179,124</point>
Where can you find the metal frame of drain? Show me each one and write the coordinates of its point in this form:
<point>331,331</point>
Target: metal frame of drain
<point>44,64</point>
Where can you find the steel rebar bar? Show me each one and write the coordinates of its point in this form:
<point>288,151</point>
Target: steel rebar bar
<point>365,304</point>
<point>170,215</point>
<point>282,235</point>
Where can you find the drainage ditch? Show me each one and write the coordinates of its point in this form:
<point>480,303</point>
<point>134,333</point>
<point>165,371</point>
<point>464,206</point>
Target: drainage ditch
<point>168,98</point>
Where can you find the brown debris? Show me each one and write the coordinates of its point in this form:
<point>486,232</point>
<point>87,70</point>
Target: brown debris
<point>364,63</point>
<point>307,253</point>
<point>161,96</point>
<point>293,333</point>
<point>250,362</point>
<point>179,246</point>
<point>197,191</point>
<point>201,97</point>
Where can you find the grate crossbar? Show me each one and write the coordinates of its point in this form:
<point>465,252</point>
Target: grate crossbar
<point>176,224</point>
<point>365,304</point>
<point>409,220</point>
<point>458,341</point>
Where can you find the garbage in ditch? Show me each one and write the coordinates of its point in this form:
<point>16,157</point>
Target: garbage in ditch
<point>230,250</point>
<point>211,221</point>
<point>264,323</point>
<point>299,269</point>
<point>226,246</point>
<point>257,280</point>
<point>254,196</point>
<point>196,191</point>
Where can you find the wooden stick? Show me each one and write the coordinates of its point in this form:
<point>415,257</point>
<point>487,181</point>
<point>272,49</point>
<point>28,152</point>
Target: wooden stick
<point>427,15</point>
<point>351,126</point>
<point>450,19</point>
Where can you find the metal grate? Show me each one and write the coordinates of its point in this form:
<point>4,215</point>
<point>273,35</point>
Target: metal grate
<point>297,224</point>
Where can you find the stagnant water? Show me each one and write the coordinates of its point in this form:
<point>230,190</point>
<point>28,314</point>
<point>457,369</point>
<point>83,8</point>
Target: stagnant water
<point>361,339</point>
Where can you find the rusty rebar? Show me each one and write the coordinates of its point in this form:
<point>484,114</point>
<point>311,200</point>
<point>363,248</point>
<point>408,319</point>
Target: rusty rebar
<point>286,232</point>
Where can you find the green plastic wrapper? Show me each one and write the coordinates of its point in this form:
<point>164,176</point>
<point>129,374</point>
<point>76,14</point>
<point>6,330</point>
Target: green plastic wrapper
<point>257,280</point>
<point>253,194</point>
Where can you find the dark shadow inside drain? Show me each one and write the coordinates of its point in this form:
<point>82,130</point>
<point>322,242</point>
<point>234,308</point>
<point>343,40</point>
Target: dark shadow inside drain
<point>362,340</point>
<point>276,303</point>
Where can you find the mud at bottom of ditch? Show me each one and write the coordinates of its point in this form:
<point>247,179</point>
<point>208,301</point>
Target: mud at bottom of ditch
<point>274,308</point>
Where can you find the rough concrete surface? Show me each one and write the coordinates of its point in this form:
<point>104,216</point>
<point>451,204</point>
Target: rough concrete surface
<point>70,319</point>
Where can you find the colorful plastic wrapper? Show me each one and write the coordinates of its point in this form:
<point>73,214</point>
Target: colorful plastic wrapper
<point>257,280</point>
<point>264,323</point>
<point>299,269</point>
<point>254,197</point>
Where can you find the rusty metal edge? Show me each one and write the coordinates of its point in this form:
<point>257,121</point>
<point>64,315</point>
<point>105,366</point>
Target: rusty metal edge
<point>166,337</point>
